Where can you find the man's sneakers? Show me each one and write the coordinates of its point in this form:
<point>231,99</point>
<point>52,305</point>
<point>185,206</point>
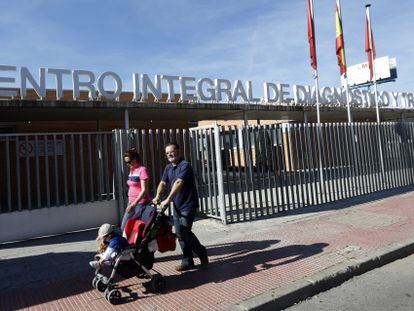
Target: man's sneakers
<point>185,267</point>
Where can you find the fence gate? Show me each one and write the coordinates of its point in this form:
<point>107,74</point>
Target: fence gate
<point>254,172</point>
<point>150,145</point>
<point>52,183</point>
<point>205,145</point>
<point>200,146</point>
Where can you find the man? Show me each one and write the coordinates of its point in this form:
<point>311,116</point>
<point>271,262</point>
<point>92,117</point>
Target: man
<point>179,176</point>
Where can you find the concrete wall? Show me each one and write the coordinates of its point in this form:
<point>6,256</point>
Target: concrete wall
<point>27,224</point>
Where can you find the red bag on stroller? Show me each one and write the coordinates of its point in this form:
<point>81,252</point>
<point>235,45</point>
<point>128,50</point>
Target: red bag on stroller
<point>165,238</point>
<point>156,232</point>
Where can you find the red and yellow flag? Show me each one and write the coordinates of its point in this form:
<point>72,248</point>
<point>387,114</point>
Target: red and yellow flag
<point>311,35</point>
<point>369,44</point>
<point>340,45</point>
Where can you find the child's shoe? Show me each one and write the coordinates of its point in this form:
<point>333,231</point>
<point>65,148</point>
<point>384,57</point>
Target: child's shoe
<point>94,264</point>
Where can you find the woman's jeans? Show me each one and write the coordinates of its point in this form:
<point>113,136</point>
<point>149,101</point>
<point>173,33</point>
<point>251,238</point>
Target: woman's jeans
<point>136,210</point>
<point>183,221</point>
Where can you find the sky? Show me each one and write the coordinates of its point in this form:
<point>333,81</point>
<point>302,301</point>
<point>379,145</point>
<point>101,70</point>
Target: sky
<point>256,40</point>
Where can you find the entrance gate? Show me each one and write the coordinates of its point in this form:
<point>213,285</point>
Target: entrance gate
<point>255,172</point>
<point>200,146</point>
<point>149,143</point>
<point>207,163</point>
<point>61,182</point>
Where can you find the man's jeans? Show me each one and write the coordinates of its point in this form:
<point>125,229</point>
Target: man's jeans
<point>183,221</point>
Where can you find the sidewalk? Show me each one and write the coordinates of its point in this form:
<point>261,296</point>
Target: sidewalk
<point>267,263</point>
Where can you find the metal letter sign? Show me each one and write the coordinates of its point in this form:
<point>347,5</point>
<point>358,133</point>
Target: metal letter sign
<point>204,90</point>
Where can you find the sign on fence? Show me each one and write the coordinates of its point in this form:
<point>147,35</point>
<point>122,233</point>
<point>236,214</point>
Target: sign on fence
<point>30,148</point>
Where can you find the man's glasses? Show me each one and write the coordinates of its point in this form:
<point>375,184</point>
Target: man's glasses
<point>128,162</point>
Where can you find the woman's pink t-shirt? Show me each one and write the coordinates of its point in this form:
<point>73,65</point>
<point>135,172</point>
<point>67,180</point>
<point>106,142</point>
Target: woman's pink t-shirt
<point>135,176</point>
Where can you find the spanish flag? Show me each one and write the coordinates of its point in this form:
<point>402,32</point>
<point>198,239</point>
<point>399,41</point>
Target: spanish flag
<point>311,35</point>
<point>340,45</point>
<point>369,44</point>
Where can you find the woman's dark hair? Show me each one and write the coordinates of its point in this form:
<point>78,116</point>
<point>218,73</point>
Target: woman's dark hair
<point>132,154</point>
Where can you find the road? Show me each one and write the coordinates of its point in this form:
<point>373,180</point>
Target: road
<point>388,288</point>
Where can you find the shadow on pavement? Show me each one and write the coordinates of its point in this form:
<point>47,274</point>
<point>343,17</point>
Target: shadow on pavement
<point>40,270</point>
<point>241,259</point>
<point>32,280</point>
<point>52,276</point>
<point>87,235</point>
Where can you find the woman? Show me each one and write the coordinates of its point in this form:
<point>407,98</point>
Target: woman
<point>138,179</point>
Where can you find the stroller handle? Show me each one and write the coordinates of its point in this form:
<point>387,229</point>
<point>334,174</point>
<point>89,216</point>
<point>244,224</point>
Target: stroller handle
<point>163,209</point>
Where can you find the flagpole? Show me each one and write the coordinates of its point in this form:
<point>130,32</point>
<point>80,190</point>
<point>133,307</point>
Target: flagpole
<point>319,127</point>
<point>375,90</point>
<point>343,61</point>
<point>319,136</point>
<point>312,46</point>
<point>340,52</point>
<point>373,65</point>
<point>348,99</point>
<point>316,80</point>
<point>318,113</point>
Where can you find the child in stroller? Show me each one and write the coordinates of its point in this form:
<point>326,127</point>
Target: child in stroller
<point>137,257</point>
<point>111,244</point>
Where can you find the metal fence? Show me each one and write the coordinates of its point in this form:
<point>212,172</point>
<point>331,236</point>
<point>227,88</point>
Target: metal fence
<point>150,145</point>
<point>208,166</point>
<point>54,169</point>
<point>259,171</point>
<point>242,173</point>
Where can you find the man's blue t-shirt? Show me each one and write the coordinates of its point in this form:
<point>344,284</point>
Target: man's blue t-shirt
<point>187,198</point>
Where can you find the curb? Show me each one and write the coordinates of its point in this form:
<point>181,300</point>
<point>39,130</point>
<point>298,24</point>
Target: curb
<point>283,297</point>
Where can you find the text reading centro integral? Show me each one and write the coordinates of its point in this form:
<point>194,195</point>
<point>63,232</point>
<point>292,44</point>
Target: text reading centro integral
<point>190,89</point>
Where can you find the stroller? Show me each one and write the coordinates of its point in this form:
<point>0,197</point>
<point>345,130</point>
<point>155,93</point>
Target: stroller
<point>152,233</point>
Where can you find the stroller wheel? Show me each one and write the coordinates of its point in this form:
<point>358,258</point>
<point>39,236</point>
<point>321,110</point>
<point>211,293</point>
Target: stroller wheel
<point>106,294</point>
<point>113,296</point>
<point>158,283</point>
<point>102,284</point>
<point>94,281</point>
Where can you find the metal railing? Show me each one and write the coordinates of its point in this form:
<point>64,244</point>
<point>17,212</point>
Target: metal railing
<point>274,168</point>
<point>54,169</point>
<point>242,173</point>
<point>150,145</point>
<point>207,165</point>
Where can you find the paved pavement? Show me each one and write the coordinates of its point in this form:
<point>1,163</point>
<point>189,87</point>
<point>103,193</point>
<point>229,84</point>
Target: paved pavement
<point>266,264</point>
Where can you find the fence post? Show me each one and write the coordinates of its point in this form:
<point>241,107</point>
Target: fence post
<point>119,176</point>
<point>219,165</point>
<point>321,168</point>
